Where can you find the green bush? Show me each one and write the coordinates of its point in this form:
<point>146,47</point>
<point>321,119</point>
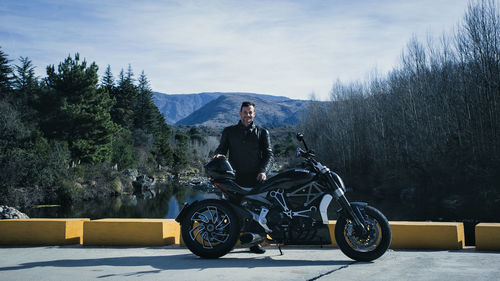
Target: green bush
<point>117,186</point>
<point>122,151</point>
<point>69,191</point>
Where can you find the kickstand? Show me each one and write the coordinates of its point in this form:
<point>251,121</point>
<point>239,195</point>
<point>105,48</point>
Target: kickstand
<point>279,248</point>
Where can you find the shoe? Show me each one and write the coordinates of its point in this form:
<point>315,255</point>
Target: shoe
<point>257,249</point>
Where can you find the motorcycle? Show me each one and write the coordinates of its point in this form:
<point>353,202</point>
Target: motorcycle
<point>290,208</point>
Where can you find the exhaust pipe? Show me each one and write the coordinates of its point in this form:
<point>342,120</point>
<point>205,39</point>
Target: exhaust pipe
<point>251,238</point>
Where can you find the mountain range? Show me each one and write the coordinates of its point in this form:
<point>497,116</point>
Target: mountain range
<point>218,109</point>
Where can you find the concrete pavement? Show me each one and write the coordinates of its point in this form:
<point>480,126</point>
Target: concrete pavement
<point>174,263</point>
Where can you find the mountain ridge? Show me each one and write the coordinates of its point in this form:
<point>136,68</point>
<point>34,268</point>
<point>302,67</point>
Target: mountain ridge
<point>218,109</point>
<point>178,106</point>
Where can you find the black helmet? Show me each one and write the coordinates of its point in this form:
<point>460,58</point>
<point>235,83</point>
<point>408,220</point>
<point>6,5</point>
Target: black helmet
<point>219,168</point>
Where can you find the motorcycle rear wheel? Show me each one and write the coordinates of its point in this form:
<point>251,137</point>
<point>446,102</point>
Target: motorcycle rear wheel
<point>369,246</point>
<point>210,229</point>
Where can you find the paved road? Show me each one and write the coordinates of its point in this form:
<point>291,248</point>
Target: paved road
<point>173,263</point>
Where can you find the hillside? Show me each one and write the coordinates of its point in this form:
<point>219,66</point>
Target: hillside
<point>179,106</point>
<point>223,111</point>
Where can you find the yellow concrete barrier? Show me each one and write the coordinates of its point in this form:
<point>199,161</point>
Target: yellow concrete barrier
<point>131,232</point>
<point>488,236</point>
<point>421,235</point>
<point>157,232</point>
<point>427,235</point>
<point>41,231</point>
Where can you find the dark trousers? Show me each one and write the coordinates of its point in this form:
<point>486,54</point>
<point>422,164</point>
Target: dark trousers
<point>246,180</point>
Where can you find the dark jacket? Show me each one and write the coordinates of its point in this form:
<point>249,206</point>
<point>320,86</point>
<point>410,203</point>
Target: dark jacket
<point>249,149</point>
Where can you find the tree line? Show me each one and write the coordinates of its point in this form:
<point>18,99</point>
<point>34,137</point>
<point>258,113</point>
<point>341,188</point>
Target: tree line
<point>70,125</point>
<point>428,133</point>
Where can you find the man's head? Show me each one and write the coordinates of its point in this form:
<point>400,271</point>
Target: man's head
<point>247,112</point>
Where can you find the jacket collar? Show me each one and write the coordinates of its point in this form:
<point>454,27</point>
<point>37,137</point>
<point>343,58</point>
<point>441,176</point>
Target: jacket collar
<point>251,128</point>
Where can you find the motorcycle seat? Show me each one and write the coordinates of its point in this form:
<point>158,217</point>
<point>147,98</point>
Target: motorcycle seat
<point>234,187</point>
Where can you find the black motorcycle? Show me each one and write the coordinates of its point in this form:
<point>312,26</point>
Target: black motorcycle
<point>289,208</point>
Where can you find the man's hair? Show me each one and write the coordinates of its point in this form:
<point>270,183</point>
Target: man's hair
<point>246,103</point>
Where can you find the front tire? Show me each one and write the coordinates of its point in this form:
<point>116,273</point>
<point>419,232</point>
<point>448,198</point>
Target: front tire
<point>364,247</point>
<point>210,228</point>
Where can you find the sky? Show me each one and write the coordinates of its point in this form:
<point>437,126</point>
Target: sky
<point>280,47</point>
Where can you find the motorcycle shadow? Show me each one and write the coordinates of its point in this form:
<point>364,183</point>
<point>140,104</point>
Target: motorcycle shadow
<point>238,258</point>
<point>272,258</point>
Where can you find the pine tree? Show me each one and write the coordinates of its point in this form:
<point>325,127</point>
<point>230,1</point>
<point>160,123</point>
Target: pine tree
<point>26,89</point>
<point>108,81</point>
<point>126,99</point>
<point>143,116</point>
<point>79,112</point>
<point>5,75</point>
<point>24,78</point>
<point>149,118</point>
<point>25,83</point>
<point>108,84</point>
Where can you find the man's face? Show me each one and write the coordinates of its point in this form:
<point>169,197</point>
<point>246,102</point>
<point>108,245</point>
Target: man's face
<point>247,114</point>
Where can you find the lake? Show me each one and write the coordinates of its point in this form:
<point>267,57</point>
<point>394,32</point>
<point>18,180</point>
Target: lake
<point>167,203</point>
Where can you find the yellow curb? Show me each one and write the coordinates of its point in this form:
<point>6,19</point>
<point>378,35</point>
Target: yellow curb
<point>131,232</point>
<point>427,235</point>
<point>488,236</point>
<point>41,231</point>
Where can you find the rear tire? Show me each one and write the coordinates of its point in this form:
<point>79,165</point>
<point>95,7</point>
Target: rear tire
<point>370,246</point>
<point>210,228</point>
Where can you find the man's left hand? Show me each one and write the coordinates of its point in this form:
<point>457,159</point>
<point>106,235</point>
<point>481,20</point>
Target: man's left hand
<point>261,177</point>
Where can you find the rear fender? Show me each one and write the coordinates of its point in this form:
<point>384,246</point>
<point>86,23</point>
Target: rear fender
<point>184,210</point>
<point>241,212</point>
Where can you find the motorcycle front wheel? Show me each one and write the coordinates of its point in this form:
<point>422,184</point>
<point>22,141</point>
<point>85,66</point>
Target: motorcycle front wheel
<point>366,246</point>
<point>210,228</point>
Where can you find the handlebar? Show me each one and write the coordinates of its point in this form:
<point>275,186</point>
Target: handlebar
<point>334,179</point>
<point>306,154</point>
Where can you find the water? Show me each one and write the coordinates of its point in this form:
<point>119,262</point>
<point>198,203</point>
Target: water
<point>167,203</point>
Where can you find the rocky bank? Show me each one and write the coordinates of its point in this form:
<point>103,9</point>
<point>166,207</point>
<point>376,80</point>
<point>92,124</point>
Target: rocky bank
<point>7,212</point>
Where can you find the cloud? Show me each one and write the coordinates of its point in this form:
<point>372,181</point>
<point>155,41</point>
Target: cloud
<point>287,48</point>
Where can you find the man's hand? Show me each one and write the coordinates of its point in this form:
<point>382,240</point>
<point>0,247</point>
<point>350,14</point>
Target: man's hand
<point>261,177</point>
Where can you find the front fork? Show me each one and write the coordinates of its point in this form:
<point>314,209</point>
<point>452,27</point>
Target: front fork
<point>352,212</point>
<point>349,210</point>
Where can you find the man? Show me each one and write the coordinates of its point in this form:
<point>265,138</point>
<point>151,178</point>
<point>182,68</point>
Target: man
<point>250,152</point>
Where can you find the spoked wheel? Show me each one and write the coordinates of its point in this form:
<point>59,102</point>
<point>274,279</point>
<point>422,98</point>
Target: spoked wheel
<point>210,229</point>
<point>364,246</point>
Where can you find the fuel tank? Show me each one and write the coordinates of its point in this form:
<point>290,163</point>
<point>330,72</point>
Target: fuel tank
<point>284,179</point>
